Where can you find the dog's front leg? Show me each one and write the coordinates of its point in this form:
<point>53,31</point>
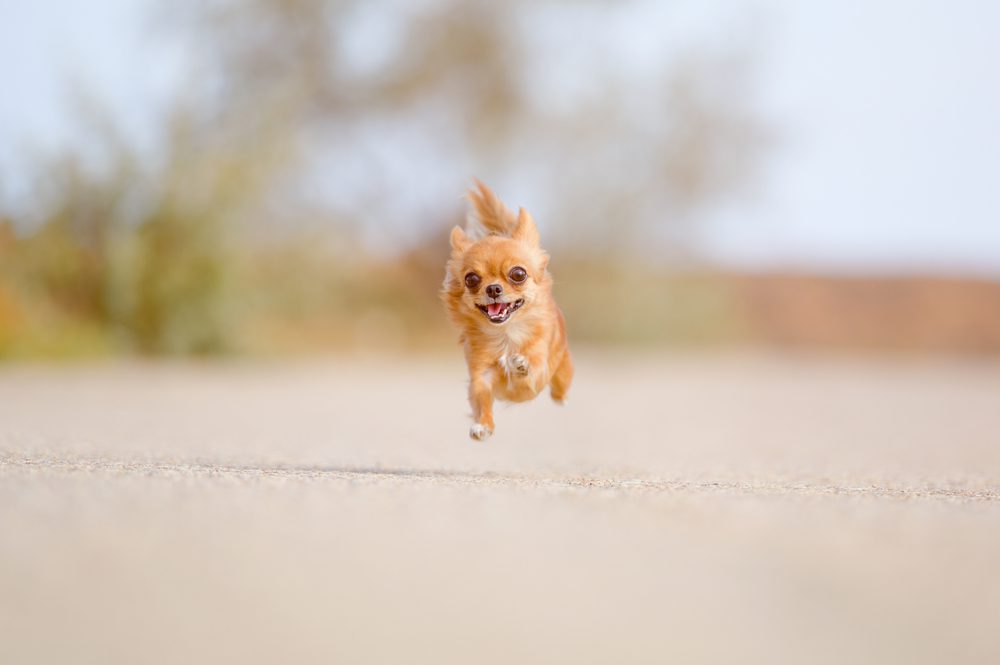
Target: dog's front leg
<point>530,365</point>
<point>481,399</point>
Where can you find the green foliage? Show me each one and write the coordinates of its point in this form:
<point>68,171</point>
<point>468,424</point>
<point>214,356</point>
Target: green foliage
<point>632,303</point>
<point>113,265</point>
<point>205,248</point>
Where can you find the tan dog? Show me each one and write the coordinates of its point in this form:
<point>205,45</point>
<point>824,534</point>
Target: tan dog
<point>498,293</point>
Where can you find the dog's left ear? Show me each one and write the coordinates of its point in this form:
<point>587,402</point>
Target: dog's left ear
<point>459,241</point>
<point>525,230</point>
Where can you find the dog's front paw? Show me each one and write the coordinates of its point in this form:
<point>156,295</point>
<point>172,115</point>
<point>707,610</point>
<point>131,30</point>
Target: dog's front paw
<point>480,432</point>
<point>516,364</point>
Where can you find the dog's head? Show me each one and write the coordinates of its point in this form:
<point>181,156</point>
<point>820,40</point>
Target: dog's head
<point>498,277</point>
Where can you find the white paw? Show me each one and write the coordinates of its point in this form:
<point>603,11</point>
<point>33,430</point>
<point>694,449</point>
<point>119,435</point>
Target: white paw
<point>516,364</point>
<point>480,432</point>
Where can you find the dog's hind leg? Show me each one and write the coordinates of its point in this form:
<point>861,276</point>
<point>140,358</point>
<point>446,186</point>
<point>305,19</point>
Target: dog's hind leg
<point>561,379</point>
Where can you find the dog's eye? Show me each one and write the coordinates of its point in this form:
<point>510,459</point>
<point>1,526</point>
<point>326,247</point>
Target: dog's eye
<point>517,274</point>
<point>472,280</point>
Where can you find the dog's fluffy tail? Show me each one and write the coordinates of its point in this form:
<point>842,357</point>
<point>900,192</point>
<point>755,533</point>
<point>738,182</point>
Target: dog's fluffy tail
<point>489,216</point>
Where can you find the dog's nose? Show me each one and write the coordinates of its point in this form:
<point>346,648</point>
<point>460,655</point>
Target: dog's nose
<point>494,290</point>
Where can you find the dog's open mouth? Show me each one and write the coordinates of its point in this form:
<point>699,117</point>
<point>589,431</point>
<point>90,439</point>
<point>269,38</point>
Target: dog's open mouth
<point>498,312</point>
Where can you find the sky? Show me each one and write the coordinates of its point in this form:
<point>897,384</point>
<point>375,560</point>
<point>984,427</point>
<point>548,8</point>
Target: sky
<point>887,156</point>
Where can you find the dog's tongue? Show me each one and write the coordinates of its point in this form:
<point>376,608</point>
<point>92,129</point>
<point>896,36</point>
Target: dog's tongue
<point>494,308</point>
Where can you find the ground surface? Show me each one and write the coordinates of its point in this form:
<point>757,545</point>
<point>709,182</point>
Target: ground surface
<point>678,509</point>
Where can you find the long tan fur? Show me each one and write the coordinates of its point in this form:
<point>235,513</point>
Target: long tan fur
<point>515,339</point>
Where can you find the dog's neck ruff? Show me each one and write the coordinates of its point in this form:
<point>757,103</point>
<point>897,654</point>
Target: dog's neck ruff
<point>509,338</point>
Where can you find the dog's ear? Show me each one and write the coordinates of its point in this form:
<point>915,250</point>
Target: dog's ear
<point>459,241</point>
<point>526,231</point>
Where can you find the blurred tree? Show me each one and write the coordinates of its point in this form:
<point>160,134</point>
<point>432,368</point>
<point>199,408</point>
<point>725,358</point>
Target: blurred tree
<point>366,89</point>
<point>366,120</point>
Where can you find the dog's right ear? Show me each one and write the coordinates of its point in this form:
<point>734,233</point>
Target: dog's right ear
<point>526,229</point>
<point>459,241</point>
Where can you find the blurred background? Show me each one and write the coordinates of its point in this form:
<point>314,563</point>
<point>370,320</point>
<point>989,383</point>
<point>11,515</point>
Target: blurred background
<point>278,176</point>
<point>775,232</point>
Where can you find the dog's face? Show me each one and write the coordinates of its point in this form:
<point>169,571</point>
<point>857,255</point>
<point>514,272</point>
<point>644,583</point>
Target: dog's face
<point>497,277</point>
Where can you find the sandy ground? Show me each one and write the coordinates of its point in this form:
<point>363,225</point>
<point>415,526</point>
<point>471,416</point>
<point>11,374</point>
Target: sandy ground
<point>679,509</point>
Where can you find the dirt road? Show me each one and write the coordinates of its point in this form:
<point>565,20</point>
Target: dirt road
<point>678,509</point>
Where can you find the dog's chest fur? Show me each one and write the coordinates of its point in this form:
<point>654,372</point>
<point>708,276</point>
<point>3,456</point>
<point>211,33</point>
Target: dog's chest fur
<point>509,339</point>
<point>506,345</point>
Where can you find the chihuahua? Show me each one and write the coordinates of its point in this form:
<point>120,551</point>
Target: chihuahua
<point>498,293</point>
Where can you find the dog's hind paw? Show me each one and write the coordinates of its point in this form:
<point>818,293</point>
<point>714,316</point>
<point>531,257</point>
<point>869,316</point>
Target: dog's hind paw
<point>480,432</point>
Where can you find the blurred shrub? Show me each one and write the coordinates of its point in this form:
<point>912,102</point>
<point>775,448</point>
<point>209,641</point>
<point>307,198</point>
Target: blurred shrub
<point>116,261</point>
<point>87,283</point>
<point>304,181</point>
<point>636,303</point>
<point>110,270</point>
<point>211,247</point>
